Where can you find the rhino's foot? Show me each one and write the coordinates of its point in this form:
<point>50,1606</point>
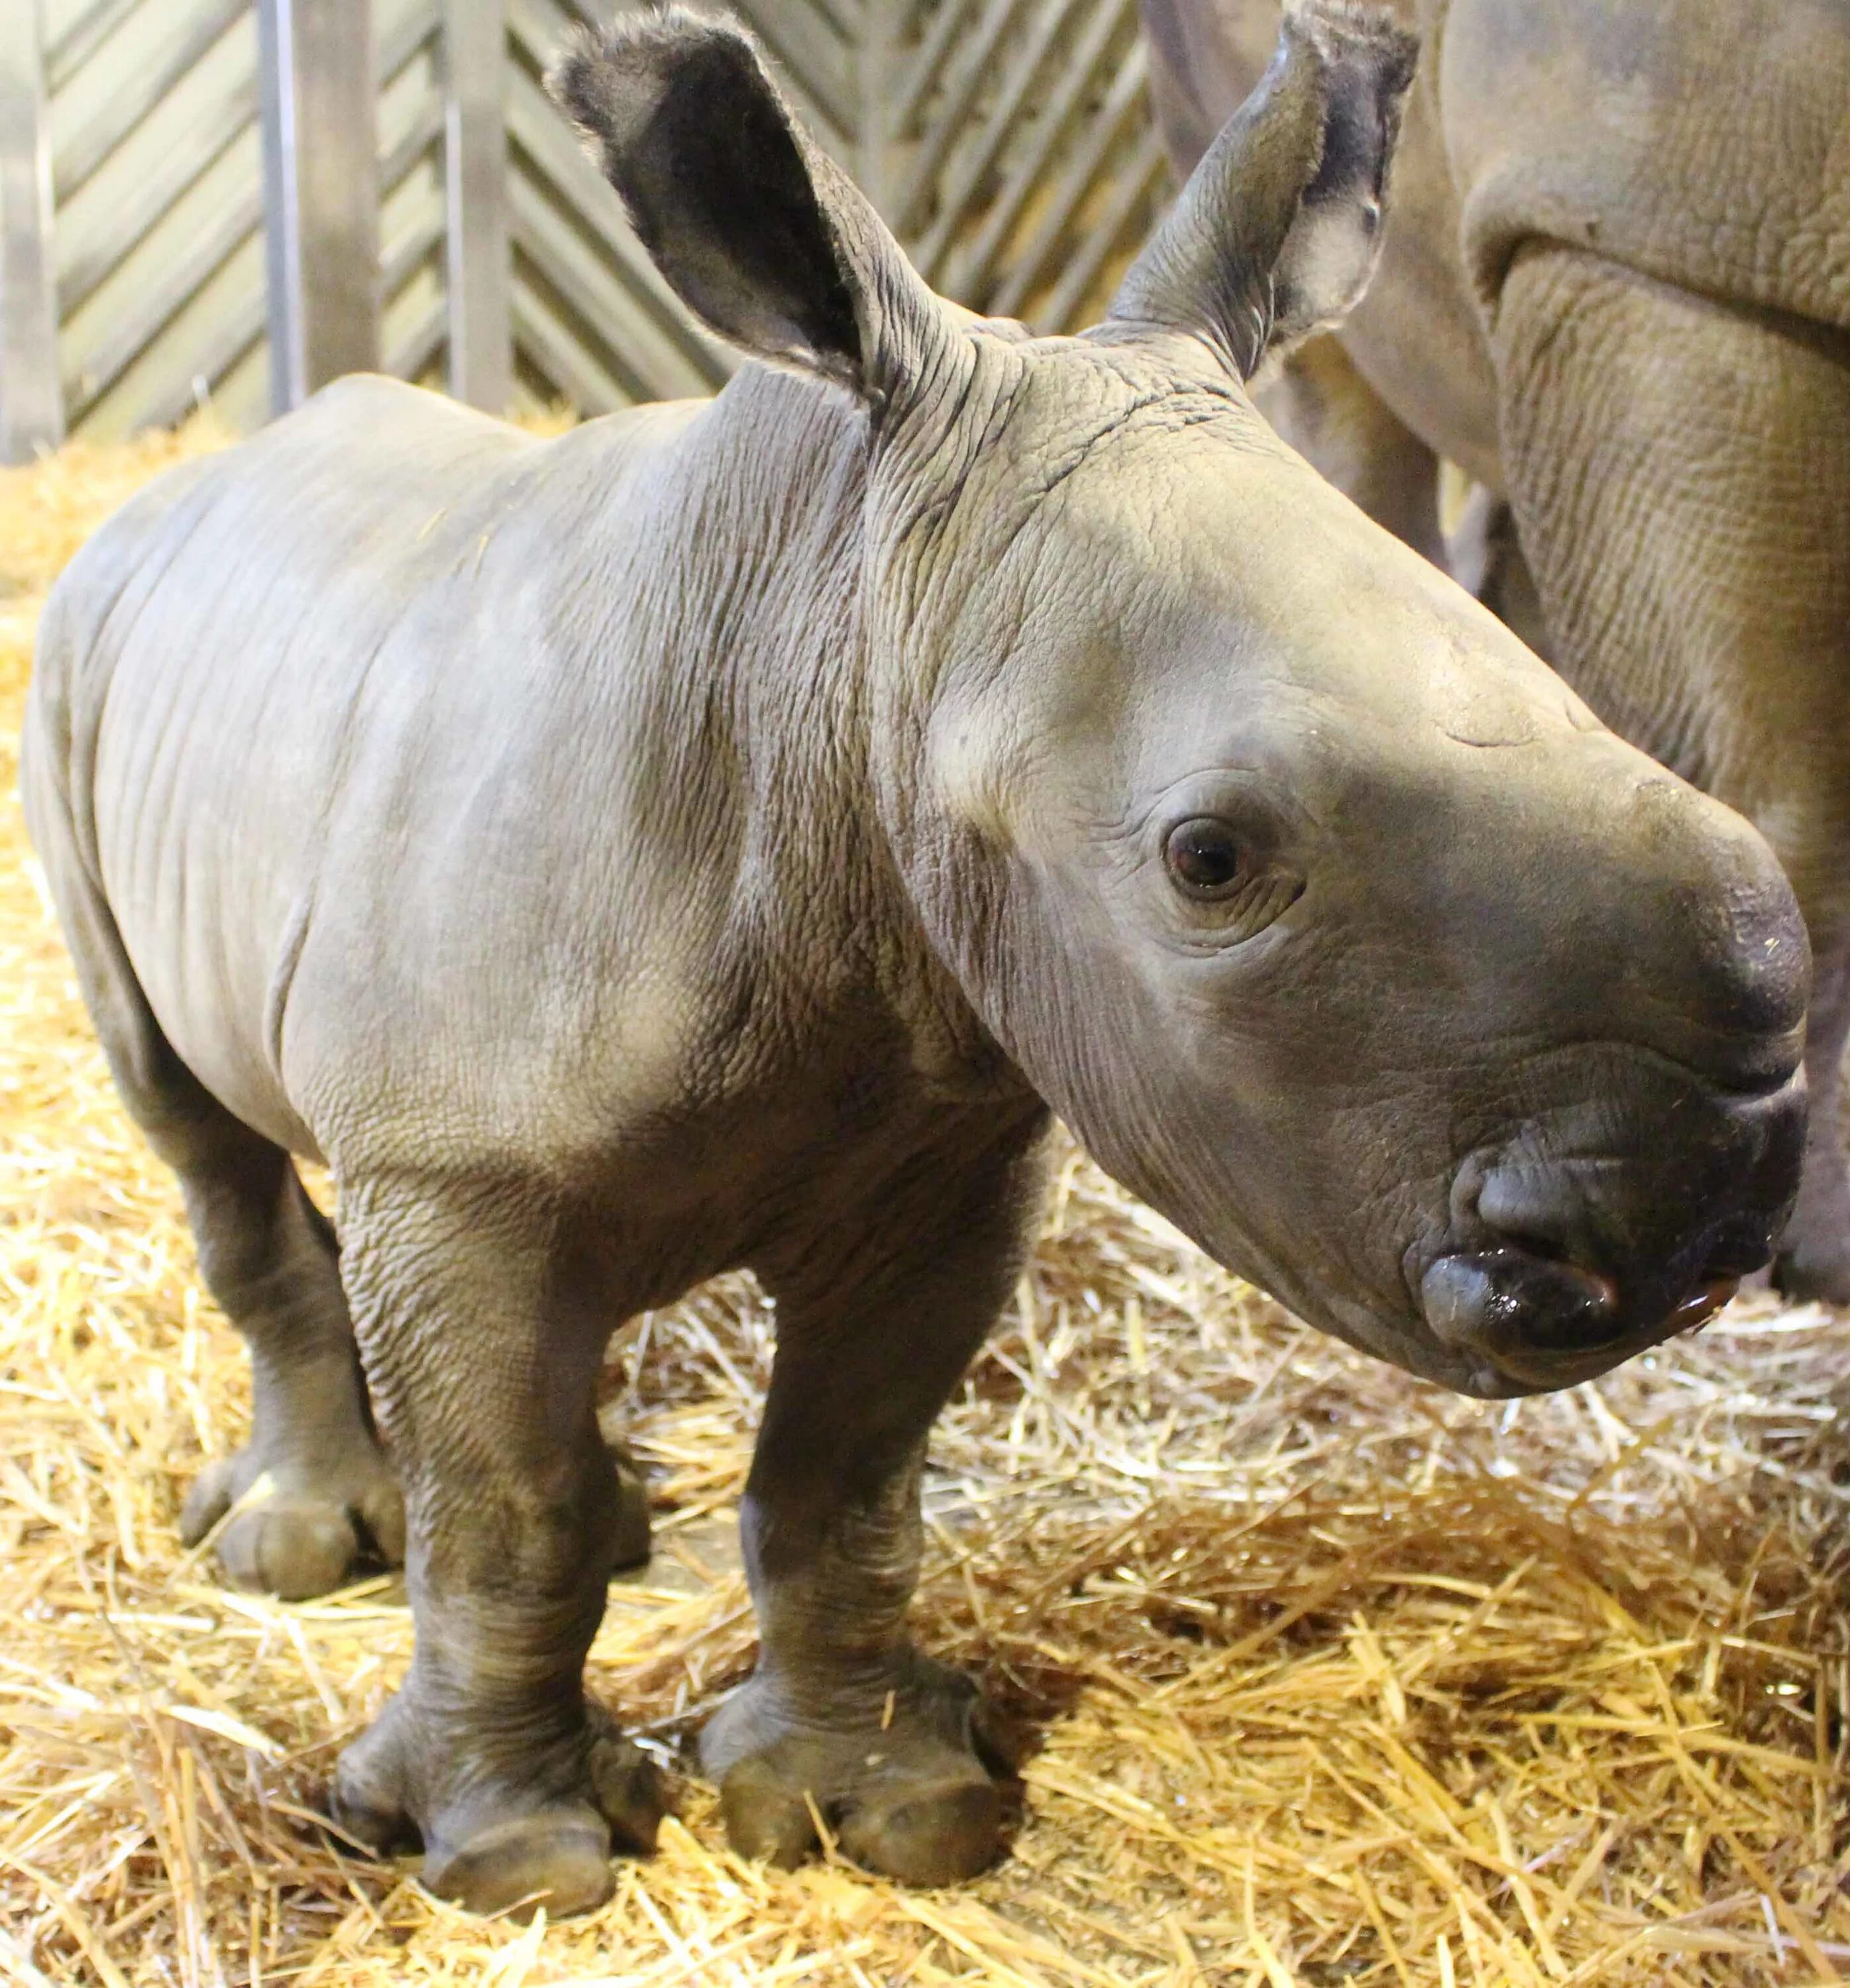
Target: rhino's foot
<point>540,1835</point>
<point>906,1791</point>
<point>307,1524</point>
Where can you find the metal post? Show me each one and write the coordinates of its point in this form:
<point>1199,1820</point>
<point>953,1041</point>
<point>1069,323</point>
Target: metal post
<point>320,192</point>
<point>32,400</point>
<point>475,158</point>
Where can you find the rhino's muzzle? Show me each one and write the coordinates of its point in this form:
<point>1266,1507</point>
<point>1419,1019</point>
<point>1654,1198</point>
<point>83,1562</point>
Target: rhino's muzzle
<point>1569,1266</point>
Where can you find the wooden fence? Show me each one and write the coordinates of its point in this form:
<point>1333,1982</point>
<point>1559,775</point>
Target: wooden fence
<point>183,182</point>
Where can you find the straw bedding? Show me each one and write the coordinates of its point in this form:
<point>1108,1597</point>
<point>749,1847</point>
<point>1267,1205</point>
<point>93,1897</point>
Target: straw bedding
<point>1320,1675</point>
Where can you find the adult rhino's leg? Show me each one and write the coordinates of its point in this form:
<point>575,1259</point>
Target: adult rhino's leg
<point>843,1718</point>
<point>1681,475</point>
<point>1322,406</point>
<point>310,1493</point>
<point>482,1337</point>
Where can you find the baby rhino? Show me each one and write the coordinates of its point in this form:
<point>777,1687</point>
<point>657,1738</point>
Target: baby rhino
<point>722,835</point>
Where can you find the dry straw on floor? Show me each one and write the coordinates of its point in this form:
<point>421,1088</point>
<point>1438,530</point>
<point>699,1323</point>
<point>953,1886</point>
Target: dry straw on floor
<point>1327,1676</point>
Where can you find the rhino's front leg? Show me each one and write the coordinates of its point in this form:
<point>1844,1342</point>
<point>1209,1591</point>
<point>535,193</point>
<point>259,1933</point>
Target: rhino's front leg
<point>482,1349</point>
<point>843,1719</point>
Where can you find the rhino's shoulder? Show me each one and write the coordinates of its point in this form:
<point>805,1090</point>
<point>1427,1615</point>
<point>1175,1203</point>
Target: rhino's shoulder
<point>1701,145</point>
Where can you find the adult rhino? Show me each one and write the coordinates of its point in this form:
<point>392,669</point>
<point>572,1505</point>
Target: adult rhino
<point>1616,289</point>
<point>719,835</point>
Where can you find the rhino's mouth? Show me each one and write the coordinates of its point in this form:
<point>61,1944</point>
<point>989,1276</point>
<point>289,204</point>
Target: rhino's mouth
<point>1524,1323</point>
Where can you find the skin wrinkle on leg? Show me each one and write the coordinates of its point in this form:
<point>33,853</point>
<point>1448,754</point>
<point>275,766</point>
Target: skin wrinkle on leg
<point>489,1751</point>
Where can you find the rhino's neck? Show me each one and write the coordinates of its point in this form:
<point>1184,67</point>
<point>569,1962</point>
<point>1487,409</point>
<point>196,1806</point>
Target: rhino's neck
<point>766,662</point>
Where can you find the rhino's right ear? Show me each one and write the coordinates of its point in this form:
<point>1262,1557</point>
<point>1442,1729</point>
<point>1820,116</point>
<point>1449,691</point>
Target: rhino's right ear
<point>757,232</point>
<point>1278,230</point>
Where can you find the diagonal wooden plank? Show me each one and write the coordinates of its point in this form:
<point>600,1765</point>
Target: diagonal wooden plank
<point>142,89</point>
<point>1123,105</point>
<point>1136,187</point>
<point>918,76</point>
<point>81,39</point>
<point>94,245</point>
<point>567,368</point>
<point>848,21</point>
<point>235,336</point>
<point>411,356</point>
<point>422,137</point>
<point>970,270</point>
<point>949,115</point>
<point>402,35</point>
<point>421,243</point>
<point>163,300</point>
<point>1052,26</point>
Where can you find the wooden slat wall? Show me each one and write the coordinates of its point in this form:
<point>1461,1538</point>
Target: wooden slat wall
<point>157,191</point>
<point>1007,141</point>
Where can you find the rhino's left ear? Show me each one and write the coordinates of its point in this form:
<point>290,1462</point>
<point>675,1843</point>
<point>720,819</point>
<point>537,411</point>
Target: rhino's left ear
<point>1276,233</point>
<point>759,234</point>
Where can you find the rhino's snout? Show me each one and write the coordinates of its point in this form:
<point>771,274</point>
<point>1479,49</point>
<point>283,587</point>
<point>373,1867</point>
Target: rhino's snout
<point>1561,1268</point>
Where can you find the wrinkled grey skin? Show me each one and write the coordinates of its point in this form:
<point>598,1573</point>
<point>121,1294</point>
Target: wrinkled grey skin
<point>719,835</point>
<point>1616,289</point>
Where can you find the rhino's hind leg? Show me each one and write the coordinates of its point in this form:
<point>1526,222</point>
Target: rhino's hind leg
<point>843,1720</point>
<point>483,1346</point>
<point>310,1493</point>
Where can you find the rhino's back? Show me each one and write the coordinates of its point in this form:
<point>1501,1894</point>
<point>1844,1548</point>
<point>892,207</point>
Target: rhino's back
<point>203,673</point>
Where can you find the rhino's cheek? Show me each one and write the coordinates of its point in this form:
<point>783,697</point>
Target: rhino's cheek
<point>1313,1204</point>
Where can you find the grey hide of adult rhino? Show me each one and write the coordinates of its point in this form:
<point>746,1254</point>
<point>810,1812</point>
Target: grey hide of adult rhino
<point>720,835</point>
<point>1616,288</point>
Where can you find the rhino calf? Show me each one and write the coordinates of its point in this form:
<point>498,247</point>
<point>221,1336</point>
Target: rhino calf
<point>719,835</point>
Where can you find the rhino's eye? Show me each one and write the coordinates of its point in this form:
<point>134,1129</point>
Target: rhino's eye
<point>1203,857</point>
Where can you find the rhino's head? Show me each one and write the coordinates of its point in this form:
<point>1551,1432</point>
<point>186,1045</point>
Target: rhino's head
<point>1330,919</point>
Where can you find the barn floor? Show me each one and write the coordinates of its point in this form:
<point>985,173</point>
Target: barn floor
<point>1322,1675</point>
